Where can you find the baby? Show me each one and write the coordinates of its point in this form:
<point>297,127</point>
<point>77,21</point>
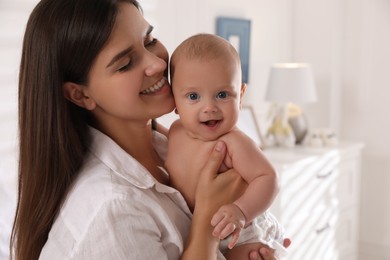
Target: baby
<point>206,83</point>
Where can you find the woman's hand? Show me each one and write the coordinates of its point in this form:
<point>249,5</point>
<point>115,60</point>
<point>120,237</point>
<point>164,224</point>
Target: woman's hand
<point>265,253</point>
<point>253,251</point>
<point>213,191</point>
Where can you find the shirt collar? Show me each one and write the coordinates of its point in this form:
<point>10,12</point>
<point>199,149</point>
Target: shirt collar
<point>123,164</point>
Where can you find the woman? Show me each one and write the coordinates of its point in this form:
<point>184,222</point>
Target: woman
<point>91,182</point>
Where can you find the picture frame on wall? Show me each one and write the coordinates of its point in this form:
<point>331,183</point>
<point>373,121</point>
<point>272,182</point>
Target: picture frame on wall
<point>248,124</point>
<point>237,32</point>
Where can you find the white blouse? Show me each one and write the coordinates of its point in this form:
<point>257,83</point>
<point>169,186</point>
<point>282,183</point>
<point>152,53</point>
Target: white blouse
<point>117,210</point>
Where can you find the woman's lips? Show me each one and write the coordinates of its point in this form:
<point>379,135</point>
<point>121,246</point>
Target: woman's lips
<point>156,87</point>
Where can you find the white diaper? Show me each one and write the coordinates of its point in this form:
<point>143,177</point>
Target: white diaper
<point>265,229</point>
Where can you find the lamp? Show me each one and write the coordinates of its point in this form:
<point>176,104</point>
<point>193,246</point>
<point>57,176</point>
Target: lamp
<point>292,83</point>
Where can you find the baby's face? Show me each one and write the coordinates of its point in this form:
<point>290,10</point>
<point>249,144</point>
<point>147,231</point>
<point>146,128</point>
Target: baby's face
<point>207,96</point>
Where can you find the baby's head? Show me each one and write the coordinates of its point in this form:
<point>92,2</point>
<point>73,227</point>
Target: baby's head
<point>204,47</point>
<point>207,85</point>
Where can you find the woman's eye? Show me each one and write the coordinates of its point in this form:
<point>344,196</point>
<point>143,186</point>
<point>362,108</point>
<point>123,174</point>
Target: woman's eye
<point>152,41</point>
<point>125,67</point>
<point>193,96</point>
<point>222,95</point>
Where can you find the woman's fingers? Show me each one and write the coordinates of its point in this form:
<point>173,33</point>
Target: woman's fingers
<point>286,242</point>
<point>253,255</point>
<point>265,253</point>
<point>214,162</point>
<point>262,254</point>
<point>210,194</point>
<point>218,188</point>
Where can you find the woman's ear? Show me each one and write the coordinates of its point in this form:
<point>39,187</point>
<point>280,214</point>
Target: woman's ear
<point>242,91</point>
<point>75,94</point>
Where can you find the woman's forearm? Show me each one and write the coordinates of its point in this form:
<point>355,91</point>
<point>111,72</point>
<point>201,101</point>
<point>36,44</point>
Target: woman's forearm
<point>213,191</point>
<point>201,244</point>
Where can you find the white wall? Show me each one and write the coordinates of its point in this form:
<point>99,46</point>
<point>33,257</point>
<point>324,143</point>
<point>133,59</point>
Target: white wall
<point>318,39</point>
<point>348,44</point>
<point>365,113</point>
<point>13,16</point>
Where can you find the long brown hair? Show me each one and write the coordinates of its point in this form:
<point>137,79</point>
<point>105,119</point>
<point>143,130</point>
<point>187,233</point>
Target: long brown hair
<point>61,41</point>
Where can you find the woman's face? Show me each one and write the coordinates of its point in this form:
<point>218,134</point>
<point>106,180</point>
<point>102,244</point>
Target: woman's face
<point>128,79</point>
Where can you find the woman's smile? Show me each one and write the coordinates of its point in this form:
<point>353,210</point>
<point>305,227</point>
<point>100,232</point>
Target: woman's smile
<point>156,87</point>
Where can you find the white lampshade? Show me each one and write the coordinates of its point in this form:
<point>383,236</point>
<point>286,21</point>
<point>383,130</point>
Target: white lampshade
<point>291,82</point>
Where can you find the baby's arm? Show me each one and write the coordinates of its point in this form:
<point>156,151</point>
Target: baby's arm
<point>249,161</point>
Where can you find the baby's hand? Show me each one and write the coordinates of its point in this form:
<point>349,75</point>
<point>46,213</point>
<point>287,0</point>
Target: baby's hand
<point>228,220</point>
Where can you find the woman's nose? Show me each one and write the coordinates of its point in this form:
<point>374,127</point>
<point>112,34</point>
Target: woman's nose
<point>154,64</point>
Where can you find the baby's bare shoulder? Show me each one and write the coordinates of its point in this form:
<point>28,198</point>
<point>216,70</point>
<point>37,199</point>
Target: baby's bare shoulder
<point>238,142</point>
<point>235,136</point>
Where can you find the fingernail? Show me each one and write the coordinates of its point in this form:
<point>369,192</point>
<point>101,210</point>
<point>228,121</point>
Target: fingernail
<point>219,146</point>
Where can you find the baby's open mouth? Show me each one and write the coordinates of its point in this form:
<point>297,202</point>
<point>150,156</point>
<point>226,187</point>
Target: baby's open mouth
<point>211,123</point>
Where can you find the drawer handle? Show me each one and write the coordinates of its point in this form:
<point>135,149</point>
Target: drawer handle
<point>323,229</point>
<point>324,176</point>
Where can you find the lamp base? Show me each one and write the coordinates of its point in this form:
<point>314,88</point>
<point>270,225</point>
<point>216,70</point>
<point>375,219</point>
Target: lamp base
<point>298,122</point>
<point>280,133</point>
<point>299,127</point>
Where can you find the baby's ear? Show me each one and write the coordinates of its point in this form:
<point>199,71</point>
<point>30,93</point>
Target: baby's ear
<point>242,91</point>
<point>75,93</point>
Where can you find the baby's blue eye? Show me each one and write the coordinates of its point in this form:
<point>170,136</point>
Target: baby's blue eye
<point>222,95</point>
<point>193,96</point>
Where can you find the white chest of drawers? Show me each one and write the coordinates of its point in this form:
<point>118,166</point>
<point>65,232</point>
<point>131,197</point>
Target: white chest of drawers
<point>318,201</point>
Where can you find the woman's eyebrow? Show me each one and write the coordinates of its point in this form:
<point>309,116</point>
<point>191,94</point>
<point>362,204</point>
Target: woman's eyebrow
<point>119,56</point>
<point>127,50</point>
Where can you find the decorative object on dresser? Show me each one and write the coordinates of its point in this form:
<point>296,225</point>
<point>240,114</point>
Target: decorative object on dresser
<point>321,137</point>
<point>290,84</point>
<point>318,202</point>
<point>248,124</point>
